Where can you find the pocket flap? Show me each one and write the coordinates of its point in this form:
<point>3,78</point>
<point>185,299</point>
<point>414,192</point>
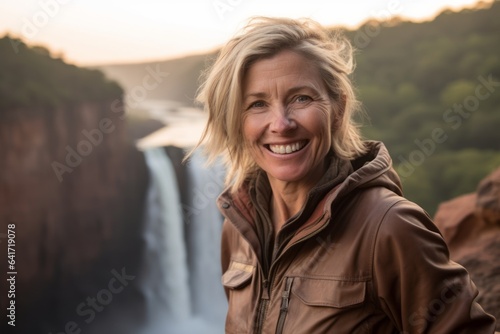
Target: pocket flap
<point>237,275</point>
<point>327,292</point>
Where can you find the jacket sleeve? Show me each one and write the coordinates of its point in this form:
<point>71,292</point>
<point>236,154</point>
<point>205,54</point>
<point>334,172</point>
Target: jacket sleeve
<point>419,288</point>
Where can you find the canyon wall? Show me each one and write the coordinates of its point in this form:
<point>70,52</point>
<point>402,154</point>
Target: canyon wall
<point>73,187</point>
<point>72,192</point>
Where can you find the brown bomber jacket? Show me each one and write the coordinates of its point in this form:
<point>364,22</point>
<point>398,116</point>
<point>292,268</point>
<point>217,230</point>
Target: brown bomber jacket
<point>365,261</point>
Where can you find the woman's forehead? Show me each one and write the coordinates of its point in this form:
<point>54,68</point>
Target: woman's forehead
<point>286,70</point>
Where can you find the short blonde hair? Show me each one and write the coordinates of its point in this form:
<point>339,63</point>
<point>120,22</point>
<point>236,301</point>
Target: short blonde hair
<point>221,91</point>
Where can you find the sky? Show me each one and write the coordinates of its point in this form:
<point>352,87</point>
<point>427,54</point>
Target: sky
<point>93,32</point>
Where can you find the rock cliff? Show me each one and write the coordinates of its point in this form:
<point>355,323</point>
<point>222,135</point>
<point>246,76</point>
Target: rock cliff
<point>470,224</point>
<point>73,186</point>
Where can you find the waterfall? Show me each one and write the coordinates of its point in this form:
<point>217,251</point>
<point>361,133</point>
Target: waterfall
<point>166,280</point>
<point>181,276</point>
<point>204,225</point>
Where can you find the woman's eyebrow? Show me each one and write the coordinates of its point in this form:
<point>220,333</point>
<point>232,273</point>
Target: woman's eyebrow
<point>262,95</point>
<point>257,95</point>
<point>302,88</point>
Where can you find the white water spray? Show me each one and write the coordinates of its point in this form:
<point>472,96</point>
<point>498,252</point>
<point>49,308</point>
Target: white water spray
<point>181,276</point>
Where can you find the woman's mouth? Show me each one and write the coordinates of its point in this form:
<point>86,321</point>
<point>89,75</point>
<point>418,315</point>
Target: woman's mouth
<point>288,148</point>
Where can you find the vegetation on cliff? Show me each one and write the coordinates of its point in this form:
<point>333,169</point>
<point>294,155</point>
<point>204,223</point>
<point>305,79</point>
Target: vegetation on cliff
<point>432,93</point>
<point>30,77</point>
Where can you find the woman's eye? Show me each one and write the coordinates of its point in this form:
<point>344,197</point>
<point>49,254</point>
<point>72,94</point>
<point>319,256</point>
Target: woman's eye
<point>303,98</point>
<point>257,104</point>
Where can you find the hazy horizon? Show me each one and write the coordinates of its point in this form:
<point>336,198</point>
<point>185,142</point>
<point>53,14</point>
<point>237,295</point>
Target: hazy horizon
<point>114,33</point>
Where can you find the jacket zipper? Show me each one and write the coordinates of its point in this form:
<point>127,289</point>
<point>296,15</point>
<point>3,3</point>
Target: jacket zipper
<point>264,301</point>
<point>268,284</point>
<point>287,248</point>
<point>285,300</point>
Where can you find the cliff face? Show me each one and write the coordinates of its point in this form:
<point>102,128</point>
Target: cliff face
<point>74,190</point>
<point>470,225</point>
<point>73,187</point>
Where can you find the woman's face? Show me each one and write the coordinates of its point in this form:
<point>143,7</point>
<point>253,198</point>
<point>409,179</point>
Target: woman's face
<point>287,118</point>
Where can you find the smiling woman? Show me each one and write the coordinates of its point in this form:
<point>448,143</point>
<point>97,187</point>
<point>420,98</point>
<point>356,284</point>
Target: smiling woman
<point>317,237</point>
<point>286,122</point>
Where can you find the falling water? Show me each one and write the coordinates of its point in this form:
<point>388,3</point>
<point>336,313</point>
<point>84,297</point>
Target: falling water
<point>204,224</point>
<point>181,276</point>
<point>165,278</point>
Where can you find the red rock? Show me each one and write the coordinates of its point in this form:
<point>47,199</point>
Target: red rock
<point>470,225</point>
<point>72,231</point>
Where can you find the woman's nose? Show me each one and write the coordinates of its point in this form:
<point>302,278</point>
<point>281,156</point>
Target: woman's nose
<point>281,121</point>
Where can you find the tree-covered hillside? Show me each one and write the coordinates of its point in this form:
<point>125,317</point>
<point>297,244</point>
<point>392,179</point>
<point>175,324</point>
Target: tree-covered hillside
<point>432,94</point>
<point>30,77</point>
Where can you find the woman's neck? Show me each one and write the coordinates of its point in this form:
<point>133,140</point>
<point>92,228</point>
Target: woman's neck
<point>287,200</point>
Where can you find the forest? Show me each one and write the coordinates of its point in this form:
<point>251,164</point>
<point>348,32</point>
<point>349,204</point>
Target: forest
<point>431,92</point>
<point>32,78</point>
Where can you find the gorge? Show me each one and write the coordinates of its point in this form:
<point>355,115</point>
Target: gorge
<point>109,239</point>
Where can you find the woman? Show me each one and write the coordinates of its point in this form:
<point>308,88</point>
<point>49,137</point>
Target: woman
<point>317,238</point>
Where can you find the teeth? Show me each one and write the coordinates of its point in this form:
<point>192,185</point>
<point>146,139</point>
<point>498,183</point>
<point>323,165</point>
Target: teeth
<point>285,149</point>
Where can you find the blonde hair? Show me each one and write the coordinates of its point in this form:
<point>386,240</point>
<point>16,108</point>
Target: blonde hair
<point>263,37</point>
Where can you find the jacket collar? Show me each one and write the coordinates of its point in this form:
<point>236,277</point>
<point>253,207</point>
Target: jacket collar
<point>370,170</point>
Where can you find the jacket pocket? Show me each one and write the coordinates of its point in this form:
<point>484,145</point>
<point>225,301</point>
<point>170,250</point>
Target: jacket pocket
<point>329,293</point>
<point>326,306</point>
<point>236,281</point>
<point>237,275</point>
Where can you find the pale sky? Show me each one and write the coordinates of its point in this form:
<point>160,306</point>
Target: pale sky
<point>91,32</point>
